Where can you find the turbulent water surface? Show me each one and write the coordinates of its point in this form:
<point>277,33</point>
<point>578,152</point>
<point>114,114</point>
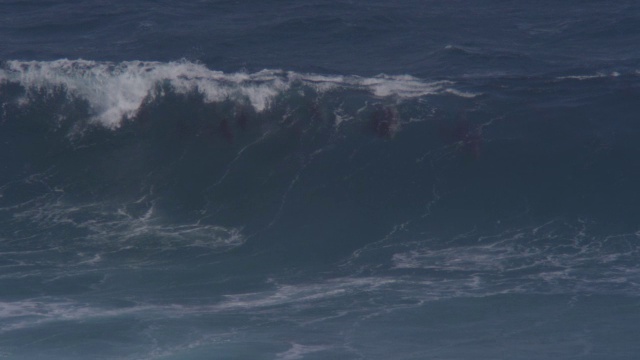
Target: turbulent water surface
<point>319,180</point>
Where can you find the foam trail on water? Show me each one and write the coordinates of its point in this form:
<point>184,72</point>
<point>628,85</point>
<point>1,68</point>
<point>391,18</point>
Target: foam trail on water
<point>117,91</point>
<point>298,351</point>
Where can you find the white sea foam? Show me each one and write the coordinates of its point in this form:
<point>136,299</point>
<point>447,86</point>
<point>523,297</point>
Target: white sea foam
<point>106,224</point>
<point>298,351</point>
<point>304,294</point>
<point>117,91</point>
<point>536,260</point>
<point>33,312</point>
<point>599,75</point>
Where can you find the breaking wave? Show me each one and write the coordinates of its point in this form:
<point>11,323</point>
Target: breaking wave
<point>117,91</point>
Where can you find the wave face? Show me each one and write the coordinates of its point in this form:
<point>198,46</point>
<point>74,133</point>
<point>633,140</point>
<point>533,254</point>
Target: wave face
<point>164,210</point>
<point>287,180</point>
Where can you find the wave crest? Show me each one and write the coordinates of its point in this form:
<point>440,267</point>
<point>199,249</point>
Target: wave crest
<point>117,91</point>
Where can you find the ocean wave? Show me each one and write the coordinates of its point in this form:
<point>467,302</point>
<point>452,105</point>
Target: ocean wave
<point>117,91</point>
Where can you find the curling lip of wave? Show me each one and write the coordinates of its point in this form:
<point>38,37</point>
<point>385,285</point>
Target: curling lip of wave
<point>116,91</point>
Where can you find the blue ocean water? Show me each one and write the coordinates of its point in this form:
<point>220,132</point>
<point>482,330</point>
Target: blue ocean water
<point>319,180</point>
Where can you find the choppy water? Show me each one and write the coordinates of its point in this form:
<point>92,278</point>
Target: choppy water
<point>355,180</point>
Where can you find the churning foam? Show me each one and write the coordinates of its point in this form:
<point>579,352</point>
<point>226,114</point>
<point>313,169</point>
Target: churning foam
<point>116,91</point>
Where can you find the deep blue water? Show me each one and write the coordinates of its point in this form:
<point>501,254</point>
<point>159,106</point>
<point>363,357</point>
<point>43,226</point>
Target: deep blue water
<point>319,180</point>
